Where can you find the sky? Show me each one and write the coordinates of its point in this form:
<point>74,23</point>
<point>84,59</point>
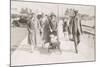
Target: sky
<point>48,7</point>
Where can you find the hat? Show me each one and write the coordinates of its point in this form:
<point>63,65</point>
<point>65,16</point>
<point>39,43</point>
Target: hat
<point>39,13</point>
<point>52,14</point>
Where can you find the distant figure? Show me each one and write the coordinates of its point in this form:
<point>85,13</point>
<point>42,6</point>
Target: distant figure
<point>66,25</point>
<point>31,31</point>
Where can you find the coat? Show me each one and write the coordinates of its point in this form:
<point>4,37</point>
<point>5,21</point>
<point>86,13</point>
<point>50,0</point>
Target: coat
<point>75,28</point>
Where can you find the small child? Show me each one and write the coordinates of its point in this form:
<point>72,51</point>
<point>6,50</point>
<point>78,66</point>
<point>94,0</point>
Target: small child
<point>54,43</point>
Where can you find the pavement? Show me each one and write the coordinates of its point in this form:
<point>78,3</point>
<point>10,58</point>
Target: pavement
<point>17,35</point>
<point>24,56</point>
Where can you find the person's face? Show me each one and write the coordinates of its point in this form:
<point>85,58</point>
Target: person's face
<point>53,18</point>
<point>67,17</point>
<point>33,17</point>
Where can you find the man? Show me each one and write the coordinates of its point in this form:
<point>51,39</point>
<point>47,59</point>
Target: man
<point>76,29</point>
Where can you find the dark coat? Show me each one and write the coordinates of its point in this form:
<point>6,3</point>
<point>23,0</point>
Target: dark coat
<point>46,31</point>
<point>75,28</point>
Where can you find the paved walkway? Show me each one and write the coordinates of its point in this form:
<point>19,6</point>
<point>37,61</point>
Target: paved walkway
<point>23,56</point>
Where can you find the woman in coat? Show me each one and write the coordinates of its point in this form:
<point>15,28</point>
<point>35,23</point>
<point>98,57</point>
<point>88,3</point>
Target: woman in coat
<point>31,31</point>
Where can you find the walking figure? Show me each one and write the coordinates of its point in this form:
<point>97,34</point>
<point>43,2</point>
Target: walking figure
<point>31,31</point>
<point>54,40</point>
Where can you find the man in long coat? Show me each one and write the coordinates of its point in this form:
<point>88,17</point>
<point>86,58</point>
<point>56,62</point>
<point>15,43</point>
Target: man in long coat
<point>76,29</point>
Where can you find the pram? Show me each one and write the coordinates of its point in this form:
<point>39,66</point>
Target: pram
<point>54,42</point>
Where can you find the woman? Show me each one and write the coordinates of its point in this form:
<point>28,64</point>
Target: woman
<point>31,31</point>
<point>46,30</point>
<point>66,25</point>
<point>54,40</point>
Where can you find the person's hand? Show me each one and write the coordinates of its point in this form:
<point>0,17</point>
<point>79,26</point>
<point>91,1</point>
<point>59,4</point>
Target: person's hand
<point>51,30</point>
